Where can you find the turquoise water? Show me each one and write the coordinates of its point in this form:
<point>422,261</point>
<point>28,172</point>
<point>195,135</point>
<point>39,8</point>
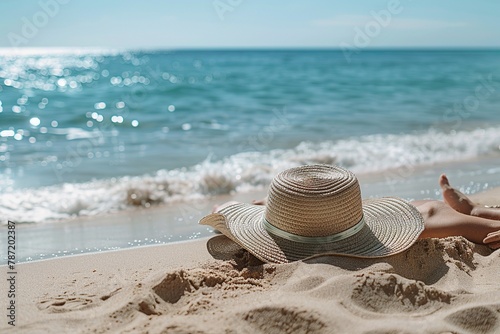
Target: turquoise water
<point>84,133</point>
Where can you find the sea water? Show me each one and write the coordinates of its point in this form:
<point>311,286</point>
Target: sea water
<point>85,133</point>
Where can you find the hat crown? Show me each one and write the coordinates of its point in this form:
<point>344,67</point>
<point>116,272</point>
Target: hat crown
<point>314,201</point>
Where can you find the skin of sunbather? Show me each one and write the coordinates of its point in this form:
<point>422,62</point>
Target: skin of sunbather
<point>457,215</point>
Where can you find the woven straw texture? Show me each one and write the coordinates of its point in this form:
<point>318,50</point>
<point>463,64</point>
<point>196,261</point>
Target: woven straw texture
<point>319,201</point>
<point>315,200</point>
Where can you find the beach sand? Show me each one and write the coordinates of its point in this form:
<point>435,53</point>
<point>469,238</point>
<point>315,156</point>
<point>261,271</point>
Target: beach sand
<point>437,286</point>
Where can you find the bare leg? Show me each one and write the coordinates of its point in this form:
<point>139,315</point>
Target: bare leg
<point>441,221</point>
<point>461,203</point>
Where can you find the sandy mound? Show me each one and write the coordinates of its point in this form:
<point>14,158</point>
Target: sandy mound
<point>388,293</point>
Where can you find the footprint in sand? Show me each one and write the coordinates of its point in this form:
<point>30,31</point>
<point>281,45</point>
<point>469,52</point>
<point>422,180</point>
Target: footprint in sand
<point>71,302</point>
<point>479,319</point>
<point>63,303</point>
<point>283,319</point>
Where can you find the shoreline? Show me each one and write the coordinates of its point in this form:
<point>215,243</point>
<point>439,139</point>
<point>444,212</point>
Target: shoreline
<point>131,229</point>
<point>164,224</point>
<point>487,197</point>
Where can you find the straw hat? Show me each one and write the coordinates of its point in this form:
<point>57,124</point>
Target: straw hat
<point>317,209</point>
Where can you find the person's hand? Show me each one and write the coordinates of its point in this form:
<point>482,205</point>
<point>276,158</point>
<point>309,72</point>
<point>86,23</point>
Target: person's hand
<point>492,240</point>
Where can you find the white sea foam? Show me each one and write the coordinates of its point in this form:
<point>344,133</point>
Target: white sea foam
<point>243,172</point>
<point>76,133</point>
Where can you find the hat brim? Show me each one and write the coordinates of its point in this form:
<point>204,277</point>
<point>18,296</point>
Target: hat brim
<point>392,226</point>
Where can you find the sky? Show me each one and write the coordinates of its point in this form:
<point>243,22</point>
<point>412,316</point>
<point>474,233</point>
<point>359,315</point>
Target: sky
<point>174,24</point>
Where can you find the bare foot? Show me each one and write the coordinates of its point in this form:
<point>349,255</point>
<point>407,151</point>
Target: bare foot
<point>455,198</point>
<point>461,203</point>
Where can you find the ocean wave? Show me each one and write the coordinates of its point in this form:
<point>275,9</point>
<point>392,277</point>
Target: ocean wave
<point>244,172</point>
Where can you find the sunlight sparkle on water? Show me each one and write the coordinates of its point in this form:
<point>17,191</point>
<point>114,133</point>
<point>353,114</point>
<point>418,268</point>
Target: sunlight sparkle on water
<point>35,121</point>
<point>117,119</point>
<point>100,105</point>
<point>61,82</point>
<point>7,133</point>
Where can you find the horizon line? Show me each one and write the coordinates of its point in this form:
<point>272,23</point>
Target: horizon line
<point>100,49</point>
